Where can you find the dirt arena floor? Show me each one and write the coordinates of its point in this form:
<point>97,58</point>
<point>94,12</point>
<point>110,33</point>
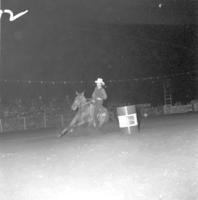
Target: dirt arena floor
<point>158,163</point>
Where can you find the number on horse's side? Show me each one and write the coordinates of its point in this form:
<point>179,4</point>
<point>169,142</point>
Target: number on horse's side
<point>85,114</point>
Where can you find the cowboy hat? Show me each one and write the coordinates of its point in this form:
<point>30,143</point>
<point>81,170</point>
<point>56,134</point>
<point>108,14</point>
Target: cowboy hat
<point>100,81</point>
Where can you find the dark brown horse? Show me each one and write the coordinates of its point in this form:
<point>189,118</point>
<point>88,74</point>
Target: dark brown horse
<point>85,114</point>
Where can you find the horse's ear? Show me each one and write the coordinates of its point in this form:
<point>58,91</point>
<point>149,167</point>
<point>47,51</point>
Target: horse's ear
<point>83,93</point>
<point>77,93</point>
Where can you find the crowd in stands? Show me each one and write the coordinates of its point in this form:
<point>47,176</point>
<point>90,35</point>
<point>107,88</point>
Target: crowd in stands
<point>20,108</point>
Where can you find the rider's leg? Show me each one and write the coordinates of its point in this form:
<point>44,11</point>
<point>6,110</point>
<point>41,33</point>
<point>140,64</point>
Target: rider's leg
<point>96,109</point>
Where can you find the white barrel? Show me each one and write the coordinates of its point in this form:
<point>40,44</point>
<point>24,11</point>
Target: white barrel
<point>128,120</point>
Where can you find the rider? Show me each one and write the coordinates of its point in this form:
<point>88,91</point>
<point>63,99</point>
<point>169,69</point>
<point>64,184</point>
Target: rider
<point>99,95</point>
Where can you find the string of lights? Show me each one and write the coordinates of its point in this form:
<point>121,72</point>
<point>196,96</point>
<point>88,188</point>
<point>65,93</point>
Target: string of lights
<point>151,78</point>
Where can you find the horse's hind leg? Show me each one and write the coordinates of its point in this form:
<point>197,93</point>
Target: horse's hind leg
<point>101,119</point>
<point>90,122</point>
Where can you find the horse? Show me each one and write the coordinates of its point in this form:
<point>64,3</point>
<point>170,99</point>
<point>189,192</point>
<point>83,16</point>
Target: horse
<point>85,114</point>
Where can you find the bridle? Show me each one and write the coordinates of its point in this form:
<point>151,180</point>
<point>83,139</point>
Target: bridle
<point>79,102</point>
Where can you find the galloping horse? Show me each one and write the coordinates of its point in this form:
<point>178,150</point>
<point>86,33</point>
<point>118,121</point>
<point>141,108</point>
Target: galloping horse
<point>85,114</point>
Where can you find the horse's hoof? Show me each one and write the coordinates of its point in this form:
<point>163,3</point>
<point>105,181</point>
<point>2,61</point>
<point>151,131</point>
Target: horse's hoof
<point>60,135</point>
<point>72,130</point>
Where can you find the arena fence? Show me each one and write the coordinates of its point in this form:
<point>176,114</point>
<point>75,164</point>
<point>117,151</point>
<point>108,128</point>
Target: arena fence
<point>49,120</point>
<point>38,121</point>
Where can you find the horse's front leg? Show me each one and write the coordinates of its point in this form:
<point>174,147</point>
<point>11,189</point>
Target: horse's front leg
<point>80,123</point>
<point>70,127</point>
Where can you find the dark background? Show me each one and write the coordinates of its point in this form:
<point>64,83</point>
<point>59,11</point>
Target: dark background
<point>121,41</point>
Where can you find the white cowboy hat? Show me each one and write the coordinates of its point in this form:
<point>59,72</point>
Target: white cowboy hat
<point>100,80</point>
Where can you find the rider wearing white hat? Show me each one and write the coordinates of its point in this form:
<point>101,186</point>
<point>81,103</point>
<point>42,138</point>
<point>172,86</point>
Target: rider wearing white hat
<point>99,95</point>
<point>99,81</point>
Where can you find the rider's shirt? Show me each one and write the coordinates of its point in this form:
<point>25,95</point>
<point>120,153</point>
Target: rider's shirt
<point>99,95</point>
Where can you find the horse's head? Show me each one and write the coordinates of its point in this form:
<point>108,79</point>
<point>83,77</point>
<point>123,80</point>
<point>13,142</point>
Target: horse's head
<point>78,101</point>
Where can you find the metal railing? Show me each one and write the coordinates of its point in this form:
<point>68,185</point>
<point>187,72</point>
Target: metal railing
<point>37,121</point>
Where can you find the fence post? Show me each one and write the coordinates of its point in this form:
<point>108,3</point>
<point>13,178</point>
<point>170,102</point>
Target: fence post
<point>45,120</point>
<point>1,126</point>
<point>24,123</point>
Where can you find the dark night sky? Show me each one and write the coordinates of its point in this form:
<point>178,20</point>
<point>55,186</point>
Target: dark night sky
<point>115,39</point>
<point>60,39</point>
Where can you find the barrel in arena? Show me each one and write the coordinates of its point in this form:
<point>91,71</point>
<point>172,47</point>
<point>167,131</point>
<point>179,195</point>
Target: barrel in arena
<point>127,117</point>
